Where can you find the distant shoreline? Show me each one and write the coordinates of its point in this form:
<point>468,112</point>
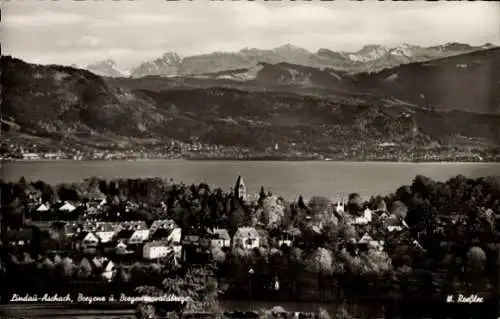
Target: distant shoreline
<point>246,160</point>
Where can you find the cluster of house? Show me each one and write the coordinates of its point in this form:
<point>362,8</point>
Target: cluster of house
<point>373,237</point>
<point>164,237</point>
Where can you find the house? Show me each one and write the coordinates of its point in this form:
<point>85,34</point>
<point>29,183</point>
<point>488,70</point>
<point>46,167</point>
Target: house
<point>365,219</point>
<point>365,239</point>
<point>156,250</point>
<point>139,237</point>
<point>247,237</point>
<point>88,241</point>
<point>67,207</point>
<point>288,237</point>
<point>106,231</point>
<point>393,223</point>
<point>219,238</point>
<point>105,236</point>
<point>191,238</point>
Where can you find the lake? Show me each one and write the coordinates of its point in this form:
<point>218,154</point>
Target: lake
<point>288,179</point>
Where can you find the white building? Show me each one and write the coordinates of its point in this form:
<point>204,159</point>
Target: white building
<point>220,238</point>
<point>340,207</point>
<point>105,236</point>
<point>155,250</point>
<point>365,219</point>
<point>247,237</point>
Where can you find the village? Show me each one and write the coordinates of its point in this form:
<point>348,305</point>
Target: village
<point>85,228</point>
<point>153,236</point>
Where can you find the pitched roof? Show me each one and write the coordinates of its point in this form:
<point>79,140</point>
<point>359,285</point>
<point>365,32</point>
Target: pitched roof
<point>163,223</point>
<point>89,235</point>
<point>161,233</point>
<point>67,207</point>
<point>247,232</point>
<point>365,239</point>
<point>105,236</point>
<point>42,208</point>
<point>139,236</point>
<point>125,233</point>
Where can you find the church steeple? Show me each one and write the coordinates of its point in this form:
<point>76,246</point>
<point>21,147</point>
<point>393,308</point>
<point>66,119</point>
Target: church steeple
<point>240,190</point>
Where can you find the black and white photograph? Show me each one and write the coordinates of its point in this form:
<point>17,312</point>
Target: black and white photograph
<point>250,159</point>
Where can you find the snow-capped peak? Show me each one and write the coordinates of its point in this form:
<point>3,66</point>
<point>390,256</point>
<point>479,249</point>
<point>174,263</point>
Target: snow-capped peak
<point>107,67</point>
<point>171,58</point>
<point>369,53</point>
<point>403,50</point>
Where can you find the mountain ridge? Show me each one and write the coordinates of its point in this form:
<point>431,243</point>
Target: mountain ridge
<point>77,107</point>
<point>369,58</point>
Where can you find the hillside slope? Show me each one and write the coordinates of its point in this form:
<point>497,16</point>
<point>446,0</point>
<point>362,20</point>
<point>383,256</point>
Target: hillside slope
<point>468,82</point>
<point>74,105</point>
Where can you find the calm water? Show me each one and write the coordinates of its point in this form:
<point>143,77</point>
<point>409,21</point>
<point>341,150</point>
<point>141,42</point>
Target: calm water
<point>288,179</point>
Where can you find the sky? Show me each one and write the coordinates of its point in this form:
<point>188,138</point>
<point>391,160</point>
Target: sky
<point>131,32</point>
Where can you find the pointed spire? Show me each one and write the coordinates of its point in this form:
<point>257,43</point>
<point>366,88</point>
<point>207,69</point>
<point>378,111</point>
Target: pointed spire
<point>262,194</point>
<point>300,202</point>
<point>240,190</point>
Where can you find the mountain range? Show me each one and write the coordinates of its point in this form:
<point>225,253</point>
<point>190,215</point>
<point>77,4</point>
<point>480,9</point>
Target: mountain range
<point>370,58</point>
<point>447,102</point>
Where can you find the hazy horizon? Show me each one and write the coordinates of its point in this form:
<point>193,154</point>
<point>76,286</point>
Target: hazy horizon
<point>84,32</point>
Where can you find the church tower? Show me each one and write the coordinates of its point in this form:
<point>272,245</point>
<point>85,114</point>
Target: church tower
<point>240,190</point>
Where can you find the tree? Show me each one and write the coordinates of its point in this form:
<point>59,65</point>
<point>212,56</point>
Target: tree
<point>399,209</point>
<point>476,258</point>
<point>273,210</point>
<point>320,204</point>
<point>217,254</point>
<point>321,261</point>
<point>355,204</point>
<point>67,267</point>
<point>84,269</point>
